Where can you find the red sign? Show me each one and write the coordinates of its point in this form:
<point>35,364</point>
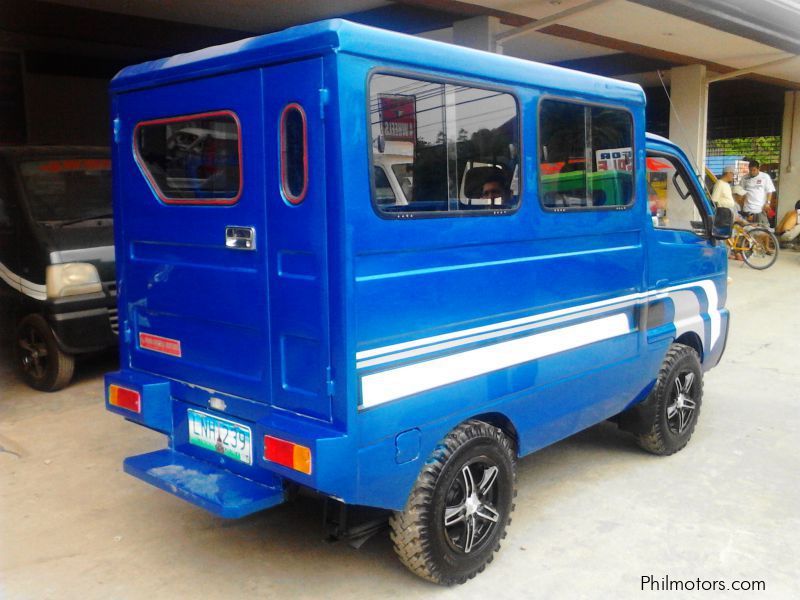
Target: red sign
<point>75,164</point>
<point>398,117</point>
<point>156,343</point>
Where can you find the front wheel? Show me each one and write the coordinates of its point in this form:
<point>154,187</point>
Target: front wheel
<point>459,507</point>
<point>676,399</point>
<point>759,248</point>
<point>42,364</point>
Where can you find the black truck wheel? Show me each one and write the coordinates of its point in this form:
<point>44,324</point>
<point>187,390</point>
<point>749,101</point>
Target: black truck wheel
<point>676,400</point>
<point>42,364</point>
<point>459,507</point>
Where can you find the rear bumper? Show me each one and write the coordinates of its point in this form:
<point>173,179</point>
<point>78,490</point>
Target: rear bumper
<point>164,406</point>
<point>217,490</point>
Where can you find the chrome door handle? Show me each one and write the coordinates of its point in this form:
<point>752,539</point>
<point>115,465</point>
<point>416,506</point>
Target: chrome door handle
<point>240,238</point>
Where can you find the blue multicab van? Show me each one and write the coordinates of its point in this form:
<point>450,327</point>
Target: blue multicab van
<point>384,268</point>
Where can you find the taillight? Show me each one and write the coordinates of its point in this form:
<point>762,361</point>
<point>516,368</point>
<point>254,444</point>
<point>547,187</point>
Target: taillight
<point>125,398</point>
<point>287,454</point>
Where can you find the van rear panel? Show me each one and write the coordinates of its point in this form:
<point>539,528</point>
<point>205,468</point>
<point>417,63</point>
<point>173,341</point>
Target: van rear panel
<point>199,307</point>
<point>194,310</point>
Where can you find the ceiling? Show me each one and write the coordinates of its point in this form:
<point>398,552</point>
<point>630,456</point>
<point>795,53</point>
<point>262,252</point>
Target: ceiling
<point>631,39</point>
<point>638,24</point>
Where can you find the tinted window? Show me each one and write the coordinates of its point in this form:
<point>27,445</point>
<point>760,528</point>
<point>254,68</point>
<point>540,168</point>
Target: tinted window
<point>294,165</point>
<point>452,148</point>
<point>585,156</point>
<point>674,202</point>
<point>65,189</point>
<point>193,158</point>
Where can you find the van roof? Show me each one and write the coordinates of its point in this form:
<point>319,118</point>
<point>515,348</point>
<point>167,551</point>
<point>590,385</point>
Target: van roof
<point>338,35</point>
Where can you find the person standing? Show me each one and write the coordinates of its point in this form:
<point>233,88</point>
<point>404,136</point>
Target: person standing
<point>721,195</point>
<point>759,190</point>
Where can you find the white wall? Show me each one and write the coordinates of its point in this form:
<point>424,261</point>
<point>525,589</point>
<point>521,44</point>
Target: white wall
<point>789,191</point>
<point>688,115</point>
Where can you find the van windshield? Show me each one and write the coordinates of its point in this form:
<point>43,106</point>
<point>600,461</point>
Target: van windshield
<point>67,190</point>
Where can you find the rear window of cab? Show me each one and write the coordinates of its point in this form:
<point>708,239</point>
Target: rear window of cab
<point>192,159</point>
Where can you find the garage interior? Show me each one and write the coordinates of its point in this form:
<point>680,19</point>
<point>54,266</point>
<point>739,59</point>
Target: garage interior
<point>739,500</point>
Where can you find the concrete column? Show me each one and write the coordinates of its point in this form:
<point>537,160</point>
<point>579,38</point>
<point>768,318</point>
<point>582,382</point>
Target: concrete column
<point>477,32</point>
<point>688,115</point>
<point>789,181</point>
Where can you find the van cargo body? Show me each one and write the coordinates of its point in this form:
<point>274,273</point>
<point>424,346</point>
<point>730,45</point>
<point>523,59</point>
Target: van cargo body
<point>289,316</point>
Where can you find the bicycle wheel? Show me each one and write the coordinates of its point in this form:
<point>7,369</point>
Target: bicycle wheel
<point>760,248</point>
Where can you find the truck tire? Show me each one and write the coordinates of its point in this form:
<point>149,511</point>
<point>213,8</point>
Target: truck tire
<point>676,399</point>
<point>42,364</point>
<point>459,507</point>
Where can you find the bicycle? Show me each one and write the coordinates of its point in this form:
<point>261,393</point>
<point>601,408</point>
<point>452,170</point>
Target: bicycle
<point>758,246</point>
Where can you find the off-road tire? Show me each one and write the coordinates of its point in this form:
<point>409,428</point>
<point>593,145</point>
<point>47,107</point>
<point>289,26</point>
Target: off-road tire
<point>420,537</point>
<point>660,437</point>
<point>51,369</point>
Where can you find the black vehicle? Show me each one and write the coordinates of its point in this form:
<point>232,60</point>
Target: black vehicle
<point>57,279</point>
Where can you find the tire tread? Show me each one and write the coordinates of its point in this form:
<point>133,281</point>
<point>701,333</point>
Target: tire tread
<point>410,533</point>
<point>655,441</point>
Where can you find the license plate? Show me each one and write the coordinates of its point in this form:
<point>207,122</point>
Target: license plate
<point>220,435</point>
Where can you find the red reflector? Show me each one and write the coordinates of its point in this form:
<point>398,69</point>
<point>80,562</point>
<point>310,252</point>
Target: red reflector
<point>287,454</point>
<point>124,398</point>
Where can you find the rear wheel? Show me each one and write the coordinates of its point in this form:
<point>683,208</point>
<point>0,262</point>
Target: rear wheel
<point>42,364</point>
<point>459,507</point>
<point>760,248</point>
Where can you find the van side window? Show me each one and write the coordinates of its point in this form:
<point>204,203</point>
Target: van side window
<point>294,160</point>
<point>585,156</point>
<point>383,189</point>
<point>449,149</point>
<point>674,202</point>
<point>192,159</point>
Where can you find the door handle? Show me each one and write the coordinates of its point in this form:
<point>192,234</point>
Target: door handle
<point>661,283</point>
<point>240,238</point>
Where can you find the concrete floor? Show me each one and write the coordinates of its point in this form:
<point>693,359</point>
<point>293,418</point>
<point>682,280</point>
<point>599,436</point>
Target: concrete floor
<point>594,514</point>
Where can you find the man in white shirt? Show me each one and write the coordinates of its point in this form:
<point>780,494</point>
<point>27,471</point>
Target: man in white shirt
<point>722,195</point>
<point>759,190</point>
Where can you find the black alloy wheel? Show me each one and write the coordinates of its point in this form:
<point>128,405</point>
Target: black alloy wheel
<point>461,503</point>
<point>675,402</point>
<point>40,361</point>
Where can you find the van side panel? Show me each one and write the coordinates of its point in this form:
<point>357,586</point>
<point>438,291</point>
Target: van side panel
<point>533,315</point>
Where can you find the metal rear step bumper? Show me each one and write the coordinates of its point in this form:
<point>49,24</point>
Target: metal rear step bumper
<point>218,491</point>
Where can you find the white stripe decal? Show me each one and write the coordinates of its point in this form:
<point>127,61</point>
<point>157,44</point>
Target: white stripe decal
<point>494,326</point>
<point>34,290</point>
<point>713,310</point>
<point>385,386</point>
<point>435,343</point>
<point>489,336</point>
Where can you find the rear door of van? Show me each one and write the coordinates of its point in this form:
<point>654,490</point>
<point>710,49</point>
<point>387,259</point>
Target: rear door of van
<point>218,261</point>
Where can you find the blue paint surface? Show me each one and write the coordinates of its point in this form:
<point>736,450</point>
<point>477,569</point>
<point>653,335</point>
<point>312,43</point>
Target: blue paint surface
<point>216,490</point>
<point>269,337</point>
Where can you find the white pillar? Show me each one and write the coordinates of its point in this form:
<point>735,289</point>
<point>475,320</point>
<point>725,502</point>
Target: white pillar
<point>477,32</point>
<point>688,115</point>
<point>789,181</point>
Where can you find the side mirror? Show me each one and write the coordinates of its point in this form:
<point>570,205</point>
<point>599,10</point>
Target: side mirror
<point>722,228</point>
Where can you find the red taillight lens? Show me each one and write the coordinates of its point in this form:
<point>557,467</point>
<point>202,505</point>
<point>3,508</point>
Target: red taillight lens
<point>287,454</point>
<point>125,398</point>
